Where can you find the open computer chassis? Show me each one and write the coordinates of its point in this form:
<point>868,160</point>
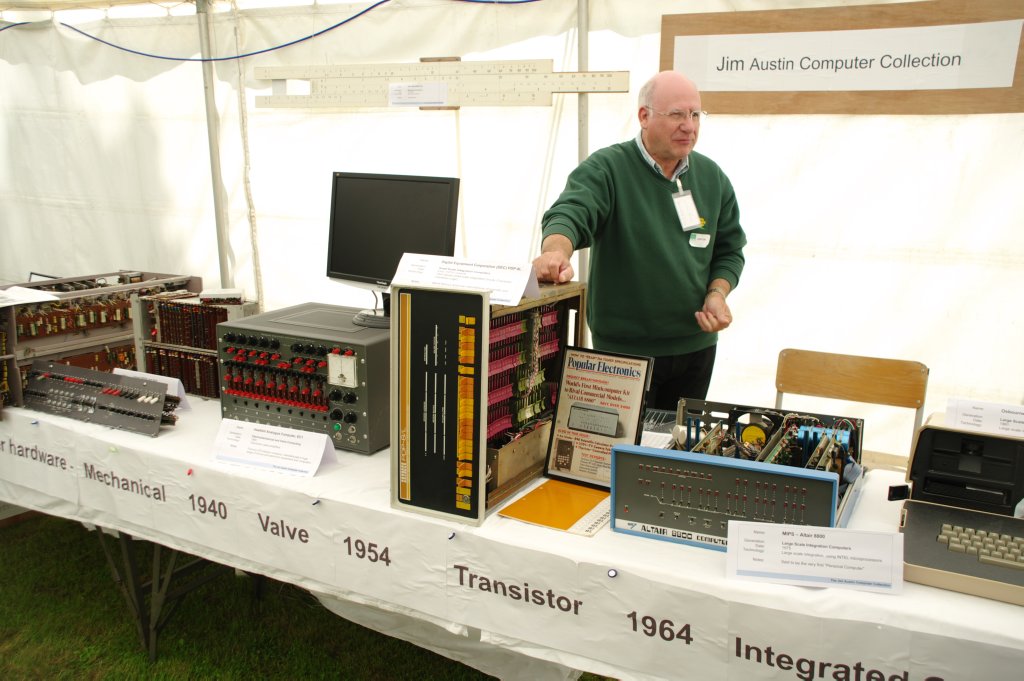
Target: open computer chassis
<point>736,462</point>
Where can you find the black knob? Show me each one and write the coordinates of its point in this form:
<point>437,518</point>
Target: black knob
<point>334,395</point>
<point>350,417</point>
<point>336,414</point>
<point>349,398</point>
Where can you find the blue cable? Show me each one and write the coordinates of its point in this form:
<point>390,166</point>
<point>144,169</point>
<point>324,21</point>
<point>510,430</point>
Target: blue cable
<point>265,50</point>
<point>237,56</point>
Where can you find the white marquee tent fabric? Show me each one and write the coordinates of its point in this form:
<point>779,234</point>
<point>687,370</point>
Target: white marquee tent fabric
<point>890,236</point>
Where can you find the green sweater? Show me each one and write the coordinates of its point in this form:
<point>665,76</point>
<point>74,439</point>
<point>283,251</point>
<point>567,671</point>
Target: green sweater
<point>646,280</point>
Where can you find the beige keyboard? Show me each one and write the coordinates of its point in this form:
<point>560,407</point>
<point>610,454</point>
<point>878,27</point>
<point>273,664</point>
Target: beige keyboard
<point>964,550</point>
<point>991,548</point>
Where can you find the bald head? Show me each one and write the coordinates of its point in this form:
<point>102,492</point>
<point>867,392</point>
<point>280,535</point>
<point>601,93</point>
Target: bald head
<point>669,130</point>
<point>664,85</point>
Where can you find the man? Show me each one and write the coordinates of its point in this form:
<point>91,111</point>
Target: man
<point>666,245</point>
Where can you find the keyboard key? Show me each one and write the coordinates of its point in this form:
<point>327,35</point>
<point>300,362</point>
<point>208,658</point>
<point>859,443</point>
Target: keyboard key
<point>1004,562</point>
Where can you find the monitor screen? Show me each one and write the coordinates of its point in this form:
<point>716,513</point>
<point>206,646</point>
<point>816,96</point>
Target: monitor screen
<point>375,219</point>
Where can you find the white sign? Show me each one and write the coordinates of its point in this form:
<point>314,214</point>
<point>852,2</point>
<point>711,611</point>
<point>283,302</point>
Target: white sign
<point>17,295</point>
<point>955,57</point>
<point>815,556</point>
<point>986,417</point>
<point>418,94</point>
<point>271,448</point>
<point>508,283</point>
<point>173,385</point>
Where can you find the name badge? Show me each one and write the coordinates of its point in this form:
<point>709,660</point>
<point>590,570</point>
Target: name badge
<point>700,240</point>
<point>686,209</point>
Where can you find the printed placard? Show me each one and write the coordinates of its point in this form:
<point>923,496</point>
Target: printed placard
<point>956,56</point>
<point>985,417</point>
<point>507,283</point>
<point>270,448</point>
<point>815,556</point>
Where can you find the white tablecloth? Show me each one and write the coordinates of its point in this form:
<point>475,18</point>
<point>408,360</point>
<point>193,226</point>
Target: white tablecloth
<point>512,599</point>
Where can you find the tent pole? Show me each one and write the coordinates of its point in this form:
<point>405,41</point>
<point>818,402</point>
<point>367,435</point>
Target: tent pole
<point>203,9</point>
<point>583,125</point>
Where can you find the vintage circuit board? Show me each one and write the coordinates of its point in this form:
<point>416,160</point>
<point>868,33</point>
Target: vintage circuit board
<point>732,462</point>
<point>113,400</point>
<point>86,321</point>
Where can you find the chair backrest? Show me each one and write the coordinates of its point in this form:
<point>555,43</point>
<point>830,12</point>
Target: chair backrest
<point>893,382</point>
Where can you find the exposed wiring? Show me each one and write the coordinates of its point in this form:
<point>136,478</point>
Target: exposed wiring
<point>237,56</point>
<point>265,50</point>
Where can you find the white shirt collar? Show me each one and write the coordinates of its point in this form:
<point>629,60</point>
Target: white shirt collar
<point>681,168</point>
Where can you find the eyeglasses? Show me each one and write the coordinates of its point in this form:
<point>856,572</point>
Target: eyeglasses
<point>677,117</point>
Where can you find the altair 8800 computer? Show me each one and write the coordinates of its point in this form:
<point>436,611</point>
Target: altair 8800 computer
<point>732,462</point>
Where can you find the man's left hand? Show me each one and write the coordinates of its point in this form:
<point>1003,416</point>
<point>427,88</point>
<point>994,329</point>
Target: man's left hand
<point>715,314</point>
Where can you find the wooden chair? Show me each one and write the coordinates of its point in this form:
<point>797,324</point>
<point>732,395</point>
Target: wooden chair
<point>892,382</point>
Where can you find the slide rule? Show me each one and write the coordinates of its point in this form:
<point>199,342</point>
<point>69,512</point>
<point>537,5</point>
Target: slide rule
<point>432,84</point>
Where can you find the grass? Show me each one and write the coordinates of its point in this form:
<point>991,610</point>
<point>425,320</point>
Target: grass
<point>63,617</point>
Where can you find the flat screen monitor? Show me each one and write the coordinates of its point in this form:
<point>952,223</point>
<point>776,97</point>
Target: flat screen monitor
<point>375,219</point>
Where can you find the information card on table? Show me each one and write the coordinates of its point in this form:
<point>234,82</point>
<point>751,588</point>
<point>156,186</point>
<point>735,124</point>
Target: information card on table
<point>508,283</point>
<point>174,386</point>
<point>271,448</point>
<point>19,295</point>
<point>815,556</point>
<point>986,417</point>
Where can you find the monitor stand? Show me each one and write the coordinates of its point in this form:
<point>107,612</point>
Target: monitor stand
<point>379,318</point>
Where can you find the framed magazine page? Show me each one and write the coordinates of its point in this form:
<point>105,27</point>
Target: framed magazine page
<point>600,404</point>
